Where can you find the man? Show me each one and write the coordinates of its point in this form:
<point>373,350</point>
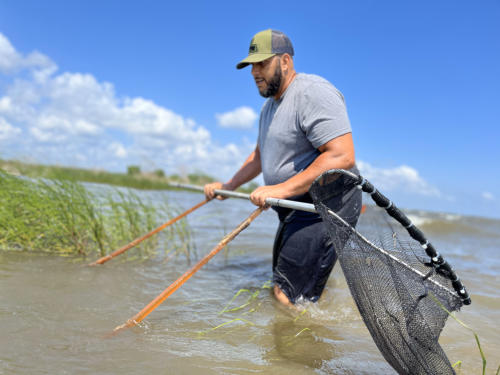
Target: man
<point>303,131</point>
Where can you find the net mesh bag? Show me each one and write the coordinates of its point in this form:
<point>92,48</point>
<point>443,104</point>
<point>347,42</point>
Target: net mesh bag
<point>398,280</point>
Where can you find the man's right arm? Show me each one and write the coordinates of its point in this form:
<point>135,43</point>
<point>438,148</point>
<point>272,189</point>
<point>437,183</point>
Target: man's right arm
<point>250,169</point>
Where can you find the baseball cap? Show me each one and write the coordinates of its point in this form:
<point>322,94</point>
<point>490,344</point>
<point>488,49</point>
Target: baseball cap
<point>266,44</point>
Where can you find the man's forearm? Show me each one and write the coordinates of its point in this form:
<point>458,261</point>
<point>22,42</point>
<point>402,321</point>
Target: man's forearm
<point>337,153</point>
<point>250,169</point>
<point>301,182</point>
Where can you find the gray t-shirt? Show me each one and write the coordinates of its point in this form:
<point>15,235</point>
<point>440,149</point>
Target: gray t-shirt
<point>310,113</point>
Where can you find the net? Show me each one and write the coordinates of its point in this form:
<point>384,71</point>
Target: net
<point>395,277</point>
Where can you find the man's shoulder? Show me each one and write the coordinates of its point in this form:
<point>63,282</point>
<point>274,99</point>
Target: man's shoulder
<point>306,79</point>
<point>312,85</point>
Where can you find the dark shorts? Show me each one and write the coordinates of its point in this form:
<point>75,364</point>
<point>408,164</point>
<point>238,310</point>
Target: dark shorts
<point>303,254</point>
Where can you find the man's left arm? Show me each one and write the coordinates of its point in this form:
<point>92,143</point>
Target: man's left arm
<point>336,153</point>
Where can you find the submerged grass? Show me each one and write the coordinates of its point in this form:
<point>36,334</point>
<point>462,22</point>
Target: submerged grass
<point>64,217</point>
<point>251,305</point>
<point>251,298</point>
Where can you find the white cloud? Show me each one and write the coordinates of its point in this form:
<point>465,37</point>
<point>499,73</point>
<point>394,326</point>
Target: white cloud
<point>9,58</point>
<point>488,196</point>
<point>239,118</point>
<point>5,104</point>
<point>47,136</point>
<point>11,61</point>
<point>7,131</point>
<point>118,150</point>
<point>402,178</point>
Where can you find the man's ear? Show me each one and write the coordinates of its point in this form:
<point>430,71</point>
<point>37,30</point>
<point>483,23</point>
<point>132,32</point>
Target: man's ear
<point>287,62</point>
<point>286,59</point>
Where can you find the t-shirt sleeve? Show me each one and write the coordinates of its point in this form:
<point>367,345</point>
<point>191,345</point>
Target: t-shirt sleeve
<point>323,114</point>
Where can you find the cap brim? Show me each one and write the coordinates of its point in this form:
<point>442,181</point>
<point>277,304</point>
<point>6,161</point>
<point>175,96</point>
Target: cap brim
<point>254,58</point>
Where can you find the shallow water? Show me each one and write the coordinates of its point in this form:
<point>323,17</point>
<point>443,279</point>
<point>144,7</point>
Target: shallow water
<point>55,312</point>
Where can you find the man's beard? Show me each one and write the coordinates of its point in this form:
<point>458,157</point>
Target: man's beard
<point>274,83</point>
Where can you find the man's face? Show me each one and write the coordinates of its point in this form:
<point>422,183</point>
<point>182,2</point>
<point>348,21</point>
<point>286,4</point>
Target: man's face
<point>267,75</point>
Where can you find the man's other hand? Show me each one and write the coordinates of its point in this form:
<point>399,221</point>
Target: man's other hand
<point>209,190</point>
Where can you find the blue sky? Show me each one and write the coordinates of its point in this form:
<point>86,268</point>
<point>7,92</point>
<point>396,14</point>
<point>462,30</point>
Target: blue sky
<point>106,84</point>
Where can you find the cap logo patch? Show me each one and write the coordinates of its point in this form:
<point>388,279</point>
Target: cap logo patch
<point>253,48</point>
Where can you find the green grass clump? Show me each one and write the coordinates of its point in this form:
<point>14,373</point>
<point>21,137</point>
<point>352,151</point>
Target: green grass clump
<point>62,216</point>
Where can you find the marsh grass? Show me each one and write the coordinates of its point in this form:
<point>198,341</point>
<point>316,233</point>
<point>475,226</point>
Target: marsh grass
<point>65,217</point>
<point>178,239</point>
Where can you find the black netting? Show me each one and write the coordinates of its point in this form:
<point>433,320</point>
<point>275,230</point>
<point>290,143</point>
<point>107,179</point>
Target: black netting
<point>392,278</point>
